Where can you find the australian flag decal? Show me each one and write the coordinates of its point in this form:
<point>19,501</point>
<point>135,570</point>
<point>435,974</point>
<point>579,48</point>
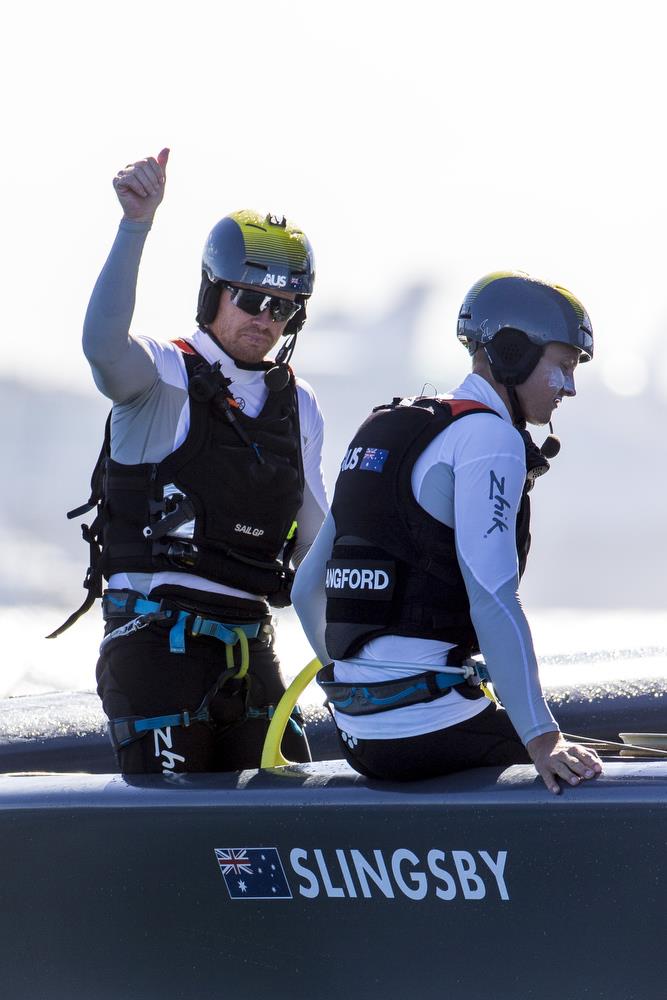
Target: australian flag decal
<point>253,872</point>
<point>374,459</point>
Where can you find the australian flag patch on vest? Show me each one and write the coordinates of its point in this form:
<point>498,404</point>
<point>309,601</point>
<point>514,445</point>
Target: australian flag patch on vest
<point>374,459</point>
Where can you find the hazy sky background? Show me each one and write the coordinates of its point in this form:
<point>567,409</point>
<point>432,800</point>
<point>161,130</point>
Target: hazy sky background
<point>411,141</point>
<point>415,143</point>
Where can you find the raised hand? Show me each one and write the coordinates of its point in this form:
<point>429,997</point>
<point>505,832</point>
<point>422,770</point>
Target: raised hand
<point>140,187</point>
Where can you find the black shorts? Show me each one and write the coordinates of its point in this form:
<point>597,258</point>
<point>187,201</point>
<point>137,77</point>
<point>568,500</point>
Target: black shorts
<point>488,739</point>
<point>138,676</point>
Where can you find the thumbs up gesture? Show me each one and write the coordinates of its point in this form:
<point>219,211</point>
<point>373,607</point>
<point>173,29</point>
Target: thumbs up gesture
<point>140,187</point>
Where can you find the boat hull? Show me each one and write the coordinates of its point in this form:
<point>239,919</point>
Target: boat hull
<point>473,886</point>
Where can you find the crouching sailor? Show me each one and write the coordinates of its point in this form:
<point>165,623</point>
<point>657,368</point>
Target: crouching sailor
<point>417,566</point>
<point>211,460</point>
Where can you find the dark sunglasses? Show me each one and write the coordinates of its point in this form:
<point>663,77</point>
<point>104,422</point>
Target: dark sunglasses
<point>254,303</point>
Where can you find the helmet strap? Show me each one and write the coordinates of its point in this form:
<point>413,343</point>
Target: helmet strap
<point>518,418</point>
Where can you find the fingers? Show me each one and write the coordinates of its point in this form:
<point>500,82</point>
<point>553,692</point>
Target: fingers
<point>128,180</point>
<point>152,172</point>
<point>568,768</point>
<point>588,758</point>
<point>554,769</point>
<point>549,779</point>
<point>144,178</point>
<point>162,158</point>
<point>572,763</point>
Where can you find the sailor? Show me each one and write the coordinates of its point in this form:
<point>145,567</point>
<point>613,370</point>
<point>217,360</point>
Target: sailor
<point>208,488</point>
<point>417,567</point>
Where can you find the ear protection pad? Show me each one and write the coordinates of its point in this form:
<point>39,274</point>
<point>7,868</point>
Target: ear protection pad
<point>297,321</point>
<point>512,356</point>
<point>209,300</point>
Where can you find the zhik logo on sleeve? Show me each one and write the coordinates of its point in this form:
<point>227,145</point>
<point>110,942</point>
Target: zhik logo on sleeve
<point>501,506</point>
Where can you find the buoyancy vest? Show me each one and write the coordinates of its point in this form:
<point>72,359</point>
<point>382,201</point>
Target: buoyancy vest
<point>221,506</point>
<point>394,569</point>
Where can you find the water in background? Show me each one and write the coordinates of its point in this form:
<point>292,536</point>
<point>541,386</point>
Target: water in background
<point>570,643</point>
<point>598,560</point>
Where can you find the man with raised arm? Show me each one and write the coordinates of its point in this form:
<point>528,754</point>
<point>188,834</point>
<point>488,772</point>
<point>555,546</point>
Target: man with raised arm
<point>417,567</point>
<point>208,488</point>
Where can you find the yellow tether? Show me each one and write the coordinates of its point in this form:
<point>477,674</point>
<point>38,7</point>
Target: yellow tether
<point>487,688</point>
<point>271,754</point>
<point>245,654</point>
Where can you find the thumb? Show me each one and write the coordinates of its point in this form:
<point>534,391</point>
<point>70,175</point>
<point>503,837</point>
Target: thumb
<point>162,158</point>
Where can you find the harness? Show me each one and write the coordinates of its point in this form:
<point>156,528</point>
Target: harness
<point>121,603</point>
<point>383,696</point>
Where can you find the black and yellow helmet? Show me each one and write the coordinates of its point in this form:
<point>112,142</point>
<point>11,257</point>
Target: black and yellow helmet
<point>266,252</point>
<point>514,316</point>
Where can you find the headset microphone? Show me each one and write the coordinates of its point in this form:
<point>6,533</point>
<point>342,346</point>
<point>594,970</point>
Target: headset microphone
<point>551,446</point>
<point>277,377</point>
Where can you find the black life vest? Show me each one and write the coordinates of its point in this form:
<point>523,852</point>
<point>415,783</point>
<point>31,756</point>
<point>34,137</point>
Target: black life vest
<point>222,505</point>
<point>394,569</point>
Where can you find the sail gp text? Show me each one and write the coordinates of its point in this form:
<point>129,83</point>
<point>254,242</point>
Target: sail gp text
<point>348,873</point>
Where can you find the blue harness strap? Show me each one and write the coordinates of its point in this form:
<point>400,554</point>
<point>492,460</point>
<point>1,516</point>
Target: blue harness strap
<point>128,730</point>
<point>369,699</point>
<point>177,633</point>
<point>218,630</point>
<point>120,603</point>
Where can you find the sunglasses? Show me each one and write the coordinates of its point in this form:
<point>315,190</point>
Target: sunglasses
<point>254,303</point>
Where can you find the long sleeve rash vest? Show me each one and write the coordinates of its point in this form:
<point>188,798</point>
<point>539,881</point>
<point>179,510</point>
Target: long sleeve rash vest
<point>146,381</point>
<point>468,473</point>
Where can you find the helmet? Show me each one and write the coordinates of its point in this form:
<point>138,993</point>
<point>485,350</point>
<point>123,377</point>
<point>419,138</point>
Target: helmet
<point>515,316</point>
<point>265,251</point>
